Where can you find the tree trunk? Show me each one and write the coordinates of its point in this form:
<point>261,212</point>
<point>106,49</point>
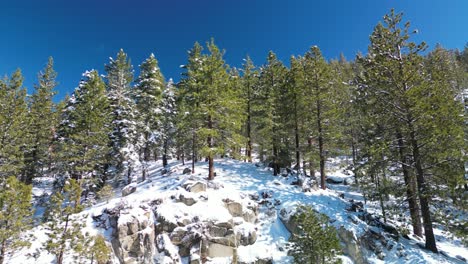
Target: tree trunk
<point>423,195</point>
<point>164,158</point>
<point>194,154</point>
<point>2,251</point>
<point>275,161</point>
<point>209,141</point>
<point>248,150</point>
<point>410,188</point>
<point>353,149</point>
<point>182,157</point>
<point>298,153</point>
<point>321,150</point>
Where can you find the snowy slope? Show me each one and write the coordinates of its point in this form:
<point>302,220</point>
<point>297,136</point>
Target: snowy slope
<point>239,181</point>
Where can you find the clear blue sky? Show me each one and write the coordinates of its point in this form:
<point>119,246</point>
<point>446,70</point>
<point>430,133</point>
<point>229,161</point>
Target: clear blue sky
<point>82,35</point>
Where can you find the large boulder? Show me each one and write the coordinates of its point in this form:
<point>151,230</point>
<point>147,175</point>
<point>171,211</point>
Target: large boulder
<point>234,208</point>
<point>216,250</point>
<point>197,187</point>
<point>187,171</point>
<point>133,236</point>
<point>351,247</point>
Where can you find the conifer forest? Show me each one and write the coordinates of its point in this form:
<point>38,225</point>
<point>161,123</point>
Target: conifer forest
<point>313,160</point>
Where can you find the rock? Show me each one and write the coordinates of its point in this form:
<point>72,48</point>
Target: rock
<point>355,207</point>
<point>389,228</point>
<point>216,231</point>
<point>189,201</point>
<point>129,189</point>
<point>195,254</point>
<point>334,180</point>
<point>234,208</point>
<point>187,171</point>
<point>216,250</point>
<point>248,238</point>
<point>133,236</point>
<point>254,196</point>
<point>164,171</point>
<point>197,187</point>
<point>351,247</point>
<point>267,194</point>
<point>214,185</point>
<point>177,235</point>
<point>461,258</point>
<point>228,225</point>
<point>249,216</point>
<point>168,250</point>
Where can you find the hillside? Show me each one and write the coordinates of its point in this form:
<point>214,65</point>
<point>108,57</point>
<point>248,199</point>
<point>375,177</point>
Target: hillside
<point>181,218</point>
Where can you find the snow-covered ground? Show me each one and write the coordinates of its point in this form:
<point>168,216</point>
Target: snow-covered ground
<point>237,181</point>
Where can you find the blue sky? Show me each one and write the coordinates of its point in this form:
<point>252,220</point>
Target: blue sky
<point>82,35</point>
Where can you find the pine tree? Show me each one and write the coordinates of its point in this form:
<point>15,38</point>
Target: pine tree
<point>15,215</point>
<point>316,241</point>
<point>414,99</point>
<point>41,124</point>
<point>212,101</point>
<point>318,80</point>
<point>63,227</point>
<point>249,81</point>
<point>168,120</point>
<point>148,90</point>
<point>13,125</point>
<point>123,136</point>
<point>99,250</point>
<point>295,85</point>
<point>270,113</point>
<point>84,131</point>
<point>189,106</point>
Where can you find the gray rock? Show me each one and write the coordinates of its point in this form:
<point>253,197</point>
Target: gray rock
<point>249,216</point>
<point>189,201</point>
<point>248,239</point>
<point>197,187</point>
<point>187,171</point>
<point>133,239</point>
<point>129,189</point>
<point>234,208</point>
<point>216,231</point>
<point>351,247</point>
<point>216,250</point>
<point>177,235</point>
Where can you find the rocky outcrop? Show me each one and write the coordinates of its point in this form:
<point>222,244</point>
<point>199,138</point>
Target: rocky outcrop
<point>351,246</point>
<point>133,235</point>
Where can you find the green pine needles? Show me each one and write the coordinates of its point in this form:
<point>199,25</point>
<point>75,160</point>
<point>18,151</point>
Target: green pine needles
<point>316,241</point>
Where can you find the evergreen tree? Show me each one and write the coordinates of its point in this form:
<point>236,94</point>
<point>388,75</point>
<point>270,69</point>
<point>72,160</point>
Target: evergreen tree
<point>15,215</point>
<point>414,100</point>
<point>168,120</point>
<point>41,124</point>
<point>249,81</point>
<point>148,89</point>
<point>13,125</point>
<point>270,113</point>
<point>316,241</point>
<point>296,96</point>
<point>213,102</point>
<point>123,154</point>
<point>189,106</point>
<point>63,228</point>
<point>322,104</point>
<point>84,131</point>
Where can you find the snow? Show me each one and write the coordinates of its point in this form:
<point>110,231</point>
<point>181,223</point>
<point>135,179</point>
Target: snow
<point>237,182</point>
